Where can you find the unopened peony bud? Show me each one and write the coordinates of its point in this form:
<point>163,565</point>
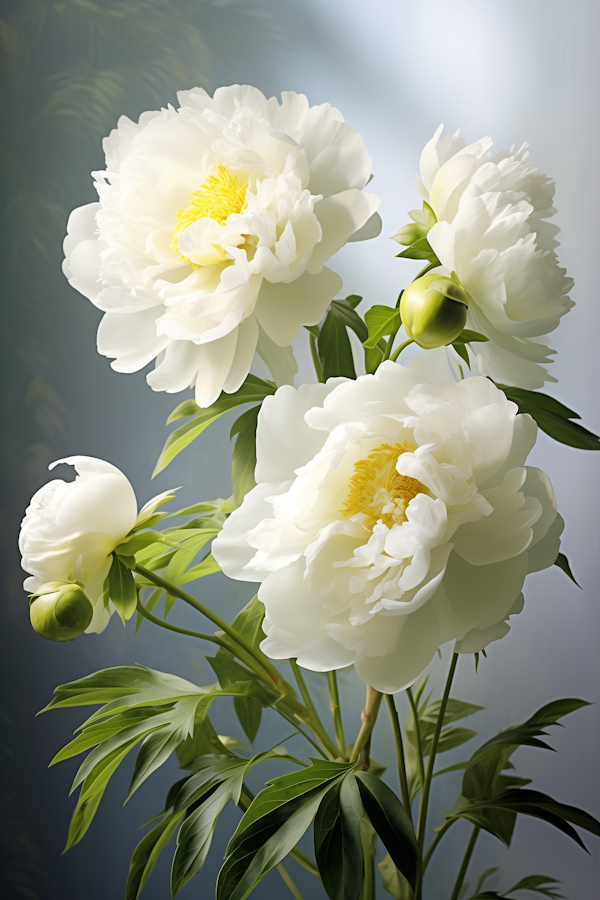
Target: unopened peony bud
<point>434,310</point>
<point>60,611</point>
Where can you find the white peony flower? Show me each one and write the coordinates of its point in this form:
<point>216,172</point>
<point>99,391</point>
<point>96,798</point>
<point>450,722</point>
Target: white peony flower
<point>214,222</point>
<point>71,528</point>
<point>492,231</point>
<point>389,517</point>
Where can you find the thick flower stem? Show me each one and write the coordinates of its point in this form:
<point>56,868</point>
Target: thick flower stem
<point>415,713</point>
<point>315,358</point>
<point>397,731</point>
<point>315,721</point>
<point>465,864</point>
<point>336,713</point>
<point>399,349</point>
<point>368,718</point>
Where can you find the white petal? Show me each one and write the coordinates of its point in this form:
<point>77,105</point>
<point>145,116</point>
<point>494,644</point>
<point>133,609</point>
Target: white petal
<point>340,216</point>
<point>282,309</point>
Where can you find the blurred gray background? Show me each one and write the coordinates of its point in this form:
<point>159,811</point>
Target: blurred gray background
<point>396,69</point>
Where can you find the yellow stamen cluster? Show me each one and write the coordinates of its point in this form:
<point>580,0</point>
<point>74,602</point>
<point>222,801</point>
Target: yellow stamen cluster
<point>378,491</point>
<point>219,197</point>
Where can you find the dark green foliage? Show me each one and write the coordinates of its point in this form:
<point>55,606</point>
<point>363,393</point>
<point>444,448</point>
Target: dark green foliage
<point>243,459</point>
<point>253,390</point>
<point>338,847</point>
<point>552,417</point>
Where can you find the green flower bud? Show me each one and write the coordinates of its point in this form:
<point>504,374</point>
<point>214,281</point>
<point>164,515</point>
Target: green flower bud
<point>60,611</point>
<point>434,310</point>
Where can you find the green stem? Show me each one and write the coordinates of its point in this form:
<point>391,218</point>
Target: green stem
<point>397,730</point>
<point>304,691</point>
<point>229,631</point>
<point>388,346</point>
<point>425,270</point>
<point>465,864</point>
<point>434,745</point>
<point>315,358</point>
<point>399,349</point>
<point>368,717</point>
<point>436,841</point>
<point>256,660</point>
<point>288,881</point>
<point>336,713</point>
<point>197,634</point>
<point>415,713</point>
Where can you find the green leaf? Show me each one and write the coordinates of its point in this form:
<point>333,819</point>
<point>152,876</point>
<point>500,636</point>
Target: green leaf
<point>203,741</point>
<point>381,321</point>
<point>338,847</point>
<point>121,587</point>
<point>122,687</point>
<point>469,337</point>
<point>393,881</point>
<point>373,358</point>
<point>454,737</point>
<point>253,390</point>
<point>249,713</point>
<point>463,353</point>
<point>211,770</point>
<point>540,884</point>
<point>563,563</point>
<point>158,746</point>
<point>537,805</point>
<point>552,417</point>
<point>391,822</point>
<point>196,833</point>
<point>335,351</point>
<point>91,793</point>
<point>420,249</point>
<point>288,788</point>
<point>208,566</point>
<point>243,460</point>
<point>455,710</point>
<point>344,310</point>
<point>147,852</point>
<point>248,622</point>
<point>211,513</point>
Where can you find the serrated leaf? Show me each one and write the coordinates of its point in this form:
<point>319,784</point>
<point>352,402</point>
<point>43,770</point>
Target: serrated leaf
<point>563,563</point>
<point>147,852</point>
<point>253,390</point>
<point>121,586</point>
<point>391,822</point>
<point>338,846</point>
<point>552,417</point>
<point>381,321</point>
<point>243,459</point>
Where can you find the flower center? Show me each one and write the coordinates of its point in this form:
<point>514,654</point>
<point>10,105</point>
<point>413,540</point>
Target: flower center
<point>219,197</point>
<point>378,491</point>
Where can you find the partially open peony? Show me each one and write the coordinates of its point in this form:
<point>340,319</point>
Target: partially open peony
<point>71,528</point>
<point>492,231</point>
<point>389,517</point>
<point>213,224</point>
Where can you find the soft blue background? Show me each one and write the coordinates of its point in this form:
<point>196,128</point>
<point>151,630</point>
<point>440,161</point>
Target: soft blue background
<point>520,71</point>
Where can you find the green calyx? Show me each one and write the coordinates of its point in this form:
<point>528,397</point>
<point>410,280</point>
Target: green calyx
<point>434,310</point>
<point>60,611</point>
